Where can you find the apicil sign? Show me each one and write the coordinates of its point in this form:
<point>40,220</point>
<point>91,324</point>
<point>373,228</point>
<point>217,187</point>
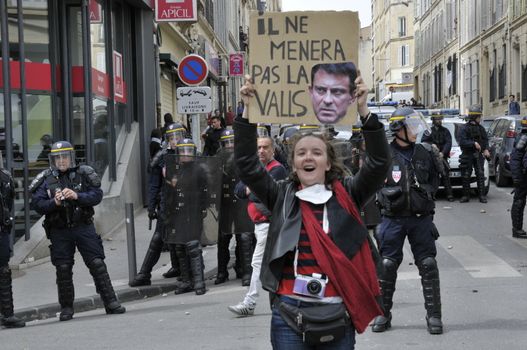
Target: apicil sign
<point>176,10</point>
<point>236,64</point>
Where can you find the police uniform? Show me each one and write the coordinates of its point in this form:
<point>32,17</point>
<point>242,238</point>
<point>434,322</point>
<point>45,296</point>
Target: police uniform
<point>143,278</point>
<point>7,195</point>
<point>471,133</point>
<point>69,225</point>
<point>519,177</point>
<point>233,217</point>
<point>442,139</point>
<point>184,210</point>
<point>407,203</point>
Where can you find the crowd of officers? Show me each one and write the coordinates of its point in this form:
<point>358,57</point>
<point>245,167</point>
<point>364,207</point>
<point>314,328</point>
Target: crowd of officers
<point>181,188</point>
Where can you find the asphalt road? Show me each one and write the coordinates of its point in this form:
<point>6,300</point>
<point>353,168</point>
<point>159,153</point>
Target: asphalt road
<point>483,285</point>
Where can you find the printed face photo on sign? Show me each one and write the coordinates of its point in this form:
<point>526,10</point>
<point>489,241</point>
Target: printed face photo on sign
<point>332,90</point>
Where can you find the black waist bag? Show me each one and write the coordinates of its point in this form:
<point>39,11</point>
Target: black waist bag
<point>317,325</point>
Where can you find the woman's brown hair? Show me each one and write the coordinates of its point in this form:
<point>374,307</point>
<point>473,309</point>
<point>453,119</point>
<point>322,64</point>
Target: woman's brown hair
<point>337,171</point>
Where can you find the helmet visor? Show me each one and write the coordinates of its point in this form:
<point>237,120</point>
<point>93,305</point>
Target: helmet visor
<point>227,142</point>
<point>62,160</point>
<point>186,150</point>
<point>262,131</point>
<point>175,134</point>
<point>416,124</point>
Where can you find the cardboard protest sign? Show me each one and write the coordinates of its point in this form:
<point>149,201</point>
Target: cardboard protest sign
<point>291,49</point>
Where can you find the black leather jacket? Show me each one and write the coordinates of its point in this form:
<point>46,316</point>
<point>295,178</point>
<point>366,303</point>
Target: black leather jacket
<point>279,197</point>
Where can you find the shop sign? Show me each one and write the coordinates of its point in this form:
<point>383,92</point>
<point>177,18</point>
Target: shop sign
<point>176,10</point>
<point>118,81</point>
<point>236,64</point>
<point>95,12</point>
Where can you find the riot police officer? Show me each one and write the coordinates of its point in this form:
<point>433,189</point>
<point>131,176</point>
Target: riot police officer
<point>185,207</point>
<point>173,133</point>
<point>474,146</point>
<point>7,198</point>
<point>519,179</point>
<point>284,147</point>
<point>407,204</point>
<point>233,217</point>
<point>441,138</point>
<point>66,194</point>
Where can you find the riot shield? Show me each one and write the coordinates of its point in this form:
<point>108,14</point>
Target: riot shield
<point>233,211</point>
<point>192,187</point>
<point>344,152</point>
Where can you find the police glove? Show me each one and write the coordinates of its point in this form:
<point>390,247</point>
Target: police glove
<point>152,214</point>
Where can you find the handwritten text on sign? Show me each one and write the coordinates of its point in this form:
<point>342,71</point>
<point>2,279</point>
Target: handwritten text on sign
<point>285,48</point>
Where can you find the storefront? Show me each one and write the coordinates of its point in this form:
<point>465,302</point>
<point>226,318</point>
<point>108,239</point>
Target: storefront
<point>82,80</point>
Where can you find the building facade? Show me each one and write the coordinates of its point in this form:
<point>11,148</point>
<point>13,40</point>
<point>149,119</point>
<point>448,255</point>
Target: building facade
<point>365,60</point>
<point>102,73</point>
<point>471,52</point>
<point>393,46</point>
<point>436,72</point>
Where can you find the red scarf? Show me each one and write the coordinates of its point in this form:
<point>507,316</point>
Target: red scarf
<point>355,280</point>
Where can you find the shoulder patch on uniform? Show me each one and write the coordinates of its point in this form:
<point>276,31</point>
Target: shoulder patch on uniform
<point>37,181</point>
<point>91,175</point>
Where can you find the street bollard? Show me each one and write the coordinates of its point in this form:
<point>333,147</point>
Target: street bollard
<point>130,240</point>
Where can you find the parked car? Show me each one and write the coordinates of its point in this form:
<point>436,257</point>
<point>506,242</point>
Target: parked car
<point>502,134</point>
<point>486,123</point>
<point>454,125</point>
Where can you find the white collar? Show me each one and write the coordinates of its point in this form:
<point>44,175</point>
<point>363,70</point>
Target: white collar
<point>316,194</point>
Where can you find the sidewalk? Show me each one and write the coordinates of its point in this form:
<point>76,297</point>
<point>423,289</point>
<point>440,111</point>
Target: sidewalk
<point>35,290</point>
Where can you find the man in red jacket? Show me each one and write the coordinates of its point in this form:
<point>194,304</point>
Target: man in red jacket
<point>259,214</point>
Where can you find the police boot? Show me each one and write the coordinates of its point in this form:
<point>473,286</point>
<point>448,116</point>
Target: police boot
<point>104,287</point>
<point>183,285</point>
<point>481,188</point>
<point>387,283</point>
<point>518,205</point>
<point>448,188</point>
<point>223,258</point>
<point>151,258</point>
<point>196,266</point>
<point>246,255</point>
<point>466,190</point>
<point>174,271</point>
<point>431,292</point>
<point>66,291</point>
<point>8,320</point>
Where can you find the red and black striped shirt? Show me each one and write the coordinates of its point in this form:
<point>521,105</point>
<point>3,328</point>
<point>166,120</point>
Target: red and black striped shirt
<point>306,261</point>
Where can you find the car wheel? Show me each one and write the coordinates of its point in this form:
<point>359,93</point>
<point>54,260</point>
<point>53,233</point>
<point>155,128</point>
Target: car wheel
<point>501,180</point>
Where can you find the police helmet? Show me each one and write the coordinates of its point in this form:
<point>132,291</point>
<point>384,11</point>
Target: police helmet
<point>474,112</point>
<point>356,129</point>
<point>407,117</point>
<point>288,134</point>
<point>62,156</point>
<point>227,139</point>
<point>524,124</point>
<point>308,128</point>
<point>262,130</point>
<point>46,140</point>
<point>175,131</point>
<point>436,115</point>
<point>186,147</point>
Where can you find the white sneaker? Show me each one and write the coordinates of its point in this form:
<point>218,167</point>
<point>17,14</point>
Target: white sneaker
<point>242,309</point>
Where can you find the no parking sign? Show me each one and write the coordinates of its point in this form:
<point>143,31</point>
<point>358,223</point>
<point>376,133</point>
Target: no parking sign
<point>193,70</point>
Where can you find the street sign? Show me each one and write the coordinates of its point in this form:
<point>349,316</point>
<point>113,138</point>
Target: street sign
<point>192,93</point>
<point>194,106</point>
<point>236,64</point>
<point>193,70</point>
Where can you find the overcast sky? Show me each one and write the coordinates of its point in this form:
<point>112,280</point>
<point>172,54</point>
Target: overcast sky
<point>363,6</point>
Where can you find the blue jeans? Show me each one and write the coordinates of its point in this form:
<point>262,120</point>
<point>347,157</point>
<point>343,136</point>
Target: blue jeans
<point>284,338</point>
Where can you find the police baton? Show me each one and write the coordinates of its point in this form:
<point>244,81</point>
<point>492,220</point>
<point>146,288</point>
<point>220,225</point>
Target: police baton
<point>149,224</point>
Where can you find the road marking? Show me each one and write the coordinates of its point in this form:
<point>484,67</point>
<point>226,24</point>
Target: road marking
<point>477,260</point>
